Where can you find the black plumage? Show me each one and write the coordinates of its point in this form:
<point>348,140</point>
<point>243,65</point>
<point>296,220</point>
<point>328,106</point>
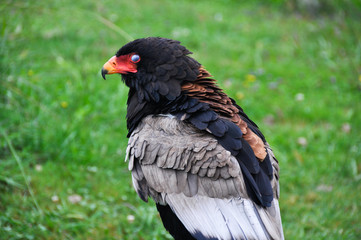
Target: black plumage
<point>167,81</point>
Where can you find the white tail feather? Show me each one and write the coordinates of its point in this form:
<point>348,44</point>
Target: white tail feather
<point>215,218</point>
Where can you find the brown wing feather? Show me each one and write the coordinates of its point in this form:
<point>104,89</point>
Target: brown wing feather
<point>205,90</point>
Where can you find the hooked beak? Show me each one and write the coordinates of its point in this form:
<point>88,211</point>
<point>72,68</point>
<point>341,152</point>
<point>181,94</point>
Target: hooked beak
<point>104,72</point>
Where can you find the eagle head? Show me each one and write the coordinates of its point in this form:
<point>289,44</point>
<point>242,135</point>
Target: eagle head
<point>154,66</point>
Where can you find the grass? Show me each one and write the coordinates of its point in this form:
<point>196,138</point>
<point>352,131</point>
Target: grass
<point>63,131</point>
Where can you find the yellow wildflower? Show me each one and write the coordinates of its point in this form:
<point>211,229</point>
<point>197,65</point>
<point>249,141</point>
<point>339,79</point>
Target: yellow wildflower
<point>250,78</point>
<point>240,95</point>
<point>64,104</point>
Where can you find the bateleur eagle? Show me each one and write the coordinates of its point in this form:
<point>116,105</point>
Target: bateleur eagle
<point>192,149</point>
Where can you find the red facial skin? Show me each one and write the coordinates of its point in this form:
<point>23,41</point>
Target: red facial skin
<point>122,64</point>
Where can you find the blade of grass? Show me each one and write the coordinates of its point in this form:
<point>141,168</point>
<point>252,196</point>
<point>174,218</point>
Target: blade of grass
<point>11,182</point>
<point>111,25</point>
<point>18,161</point>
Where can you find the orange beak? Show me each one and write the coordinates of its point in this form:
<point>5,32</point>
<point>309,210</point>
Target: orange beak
<point>119,64</point>
<point>109,67</point>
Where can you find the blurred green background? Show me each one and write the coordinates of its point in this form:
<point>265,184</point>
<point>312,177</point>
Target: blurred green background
<point>294,66</point>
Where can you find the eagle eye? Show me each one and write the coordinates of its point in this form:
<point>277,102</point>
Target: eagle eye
<point>135,58</point>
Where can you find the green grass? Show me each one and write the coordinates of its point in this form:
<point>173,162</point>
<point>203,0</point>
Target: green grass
<point>63,130</point>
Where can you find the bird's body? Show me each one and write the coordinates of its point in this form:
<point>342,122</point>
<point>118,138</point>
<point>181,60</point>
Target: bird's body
<point>192,148</point>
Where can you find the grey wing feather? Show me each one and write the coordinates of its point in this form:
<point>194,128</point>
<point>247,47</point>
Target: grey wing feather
<point>176,164</point>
